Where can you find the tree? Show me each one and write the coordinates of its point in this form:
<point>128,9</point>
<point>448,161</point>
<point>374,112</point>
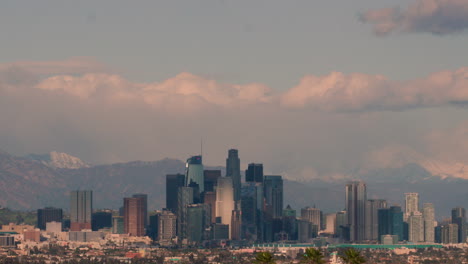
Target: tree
<point>352,256</point>
<point>313,256</point>
<point>264,258</point>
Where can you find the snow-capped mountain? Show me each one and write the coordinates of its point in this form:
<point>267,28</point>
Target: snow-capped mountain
<point>59,160</point>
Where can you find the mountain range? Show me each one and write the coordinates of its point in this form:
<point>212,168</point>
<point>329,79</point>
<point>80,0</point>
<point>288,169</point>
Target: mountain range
<point>35,181</point>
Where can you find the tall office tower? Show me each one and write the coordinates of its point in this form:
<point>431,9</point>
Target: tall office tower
<point>118,225</point>
<point>459,218</point>
<point>356,197</point>
<point>194,174</point>
<point>233,171</point>
<point>254,173</point>
<point>330,220</point>
<point>145,206</point>
<point>173,182</point>
<point>449,234</point>
<point>416,227</point>
<point>390,222</point>
<point>411,204</point>
<point>81,208</point>
<point>236,225</point>
<point>211,179</point>
<point>304,231</point>
<point>152,227</point>
<point>48,214</point>
<point>225,201</point>
<point>341,228</point>
<point>195,222</point>
<point>429,219</point>
<point>273,192</point>
<point>209,198</point>
<point>185,198</point>
<point>134,222</point>
<point>102,219</point>
<point>372,224</point>
<point>167,226</point>
<point>312,215</point>
<point>290,223</point>
<point>249,210</point>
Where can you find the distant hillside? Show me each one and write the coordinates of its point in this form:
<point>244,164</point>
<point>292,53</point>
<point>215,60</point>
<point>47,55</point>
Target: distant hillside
<point>28,184</point>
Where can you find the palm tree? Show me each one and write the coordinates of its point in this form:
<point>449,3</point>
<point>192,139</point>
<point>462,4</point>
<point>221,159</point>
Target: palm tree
<point>264,258</point>
<point>313,256</point>
<point>352,256</point>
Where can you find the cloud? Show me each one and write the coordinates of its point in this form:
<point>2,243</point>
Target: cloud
<point>325,125</point>
<point>74,65</point>
<point>360,92</point>
<point>439,17</point>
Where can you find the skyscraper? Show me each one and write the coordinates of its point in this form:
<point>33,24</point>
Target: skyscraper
<point>134,222</point>
<point>416,227</point>
<point>411,204</point>
<point>81,208</point>
<point>185,198</point>
<point>225,201</point>
<point>233,171</point>
<point>145,206</point>
<point>356,197</point>
<point>312,215</point>
<point>390,222</point>
<point>101,219</point>
<point>211,179</point>
<point>254,173</point>
<point>249,210</point>
<point>459,218</point>
<point>195,222</point>
<point>372,224</point>
<point>194,173</point>
<point>449,234</point>
<point>167,226</point>
<point>173,182</point>
<point>273,191</point>
<point>429,218</point>
<point>48,214</point>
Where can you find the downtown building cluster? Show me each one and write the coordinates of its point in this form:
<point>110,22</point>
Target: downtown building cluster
<point>206,208</point>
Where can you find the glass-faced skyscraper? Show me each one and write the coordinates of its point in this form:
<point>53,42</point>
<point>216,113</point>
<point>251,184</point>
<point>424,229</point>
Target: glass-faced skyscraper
<point>411,204</point>
<point>429,218</point>
<point>173,182</point>
<point>254,173</point>
<point>194,173</point>
<point>459,218</point>
<point>356,197</point>
<point>225,201</point>
<point>81,209</point>
<point>273,191</point>
<point>372,225</point>
<point>233,171</point>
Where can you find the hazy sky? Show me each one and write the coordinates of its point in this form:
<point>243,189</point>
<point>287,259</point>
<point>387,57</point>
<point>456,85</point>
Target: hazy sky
<point>307,87</point>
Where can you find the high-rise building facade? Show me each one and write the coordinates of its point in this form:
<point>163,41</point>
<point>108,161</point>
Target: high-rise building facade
<point>211,179</point>
<point>372,223</point>
<point>411,204</point>
<point>449,234</point>
<point>145,206</point>
<point>101,219</point>
<point>225,200</point>
<point>416,227</point>
<point>429,220</point>
<point>81,209</point>
<point>273,192</point>
<point>194,174</point>
<point>167,226</point>
<point>195,222</point>
<point>356,197</point>
<point>313,215</point>
<point>459,218</point>
<point>48,214</point>
<point>134,222</point>
<point>390,222</point>
<point>173,182</point>
<point>341,227</point>
<point>118,225</point>
<point>185,198</point>
<point>233,171</point>
<point>254,173</point>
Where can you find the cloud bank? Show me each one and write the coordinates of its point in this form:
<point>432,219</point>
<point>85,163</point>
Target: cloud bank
<point>439,17</point>
<point>323,125</point>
